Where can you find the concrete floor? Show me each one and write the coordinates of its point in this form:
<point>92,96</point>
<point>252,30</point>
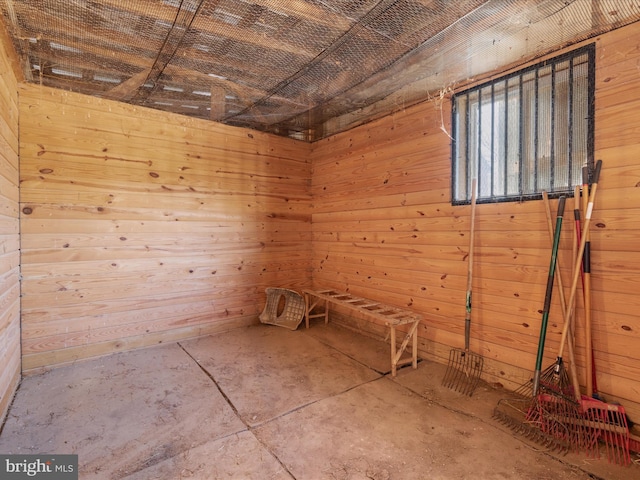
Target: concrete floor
<point>267,403</point>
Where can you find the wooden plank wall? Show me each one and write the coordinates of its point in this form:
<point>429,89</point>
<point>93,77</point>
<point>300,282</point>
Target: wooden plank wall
<point>384,228</point>
<point>9,237</point>
<point>140,227</point>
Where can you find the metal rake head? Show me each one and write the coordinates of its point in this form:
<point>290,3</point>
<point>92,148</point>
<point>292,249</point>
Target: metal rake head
<point>559,418</point>
<point>463,371</point>
<point>510,413</point>
<point>607,424</point>
<point>555,379</point>
<point>525,417</point>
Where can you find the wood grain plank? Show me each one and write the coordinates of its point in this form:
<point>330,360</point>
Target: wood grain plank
<point>383,227</point>
<point>37,362</point>
<point>10,341</point>
<point>141,227</point>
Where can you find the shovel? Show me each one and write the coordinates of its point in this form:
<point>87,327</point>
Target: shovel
<point>465,367</point>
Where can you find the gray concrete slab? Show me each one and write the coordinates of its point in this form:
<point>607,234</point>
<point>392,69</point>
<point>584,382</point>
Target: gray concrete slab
<point>426,382</point>
<point>237,457</point>
<point>267,371</point>
<point>366,350</point>
<point>120,413</point>
<point>266,402</point>
<point>381,430</point>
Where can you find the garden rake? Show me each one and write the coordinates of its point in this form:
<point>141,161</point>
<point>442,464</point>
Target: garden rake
<point>604,423</point>
<point>579,421</point>
<point>525,411</point>
<point>556,407</point>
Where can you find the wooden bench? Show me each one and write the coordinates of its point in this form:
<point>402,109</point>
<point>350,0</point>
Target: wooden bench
<point>391,316</point>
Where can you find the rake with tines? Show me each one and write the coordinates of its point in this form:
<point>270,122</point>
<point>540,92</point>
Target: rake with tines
<point>465,367</point>
<point>526,410</point>
<point>557,415</point>
<point>606,423</point>
<point>553,411</point>
<point>560,398</point>
<point>529,418</point>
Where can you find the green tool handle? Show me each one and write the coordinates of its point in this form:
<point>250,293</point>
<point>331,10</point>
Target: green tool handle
<point>547,295</point>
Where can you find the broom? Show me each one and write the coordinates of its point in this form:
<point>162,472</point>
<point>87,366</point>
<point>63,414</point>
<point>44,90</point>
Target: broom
<point>465,367</point>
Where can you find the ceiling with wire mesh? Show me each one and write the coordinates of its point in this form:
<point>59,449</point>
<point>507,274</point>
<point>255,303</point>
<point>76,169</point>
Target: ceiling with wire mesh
<point>304,69</point>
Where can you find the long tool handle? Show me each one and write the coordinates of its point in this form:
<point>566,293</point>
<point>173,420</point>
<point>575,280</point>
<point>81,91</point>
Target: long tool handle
<point>591,384</point>
<point>467,316</point>
<point>583,241</point>
<point>568,322</point>
<point>547,296</point>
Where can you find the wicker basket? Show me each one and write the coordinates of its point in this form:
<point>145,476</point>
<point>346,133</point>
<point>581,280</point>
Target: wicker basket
<point>284,308</point>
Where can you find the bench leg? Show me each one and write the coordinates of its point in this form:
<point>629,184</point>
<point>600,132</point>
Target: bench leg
<point>414,347</point>
<point>311,302</point>
<point>396,354</point>
<point>394,359</point>
<point>326,312</point>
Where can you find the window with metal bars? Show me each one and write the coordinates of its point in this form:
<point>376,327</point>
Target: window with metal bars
<point>525,133</point>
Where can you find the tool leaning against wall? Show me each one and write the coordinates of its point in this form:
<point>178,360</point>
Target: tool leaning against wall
<point>465,367</point>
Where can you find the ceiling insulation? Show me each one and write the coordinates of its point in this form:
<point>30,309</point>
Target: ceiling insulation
<point>304,69</point>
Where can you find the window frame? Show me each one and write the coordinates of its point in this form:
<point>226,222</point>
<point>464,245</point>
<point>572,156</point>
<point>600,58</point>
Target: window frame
<point>462,161</point>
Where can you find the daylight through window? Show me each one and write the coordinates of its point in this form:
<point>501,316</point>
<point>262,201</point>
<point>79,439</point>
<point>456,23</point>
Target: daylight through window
<point>525,133</point>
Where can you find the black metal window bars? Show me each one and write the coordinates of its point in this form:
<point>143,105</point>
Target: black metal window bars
<point>526,132</point>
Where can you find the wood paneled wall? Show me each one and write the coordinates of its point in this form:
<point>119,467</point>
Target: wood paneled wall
<point>140,227</point>
<point>9,237</point>
<point>384,228</point>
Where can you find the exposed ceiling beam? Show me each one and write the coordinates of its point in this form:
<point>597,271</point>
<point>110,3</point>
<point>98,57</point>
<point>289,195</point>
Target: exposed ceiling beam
<point>129,87</point>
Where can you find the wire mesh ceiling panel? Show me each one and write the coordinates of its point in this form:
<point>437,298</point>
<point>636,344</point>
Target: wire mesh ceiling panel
<point>299,68</point>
